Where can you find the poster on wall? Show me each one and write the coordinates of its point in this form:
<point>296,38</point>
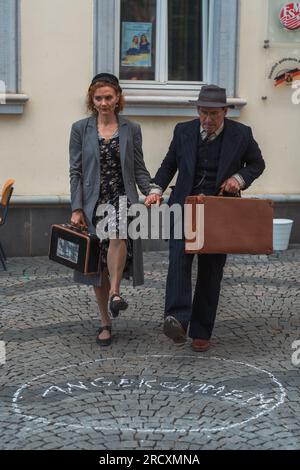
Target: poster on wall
<point>136,44</point>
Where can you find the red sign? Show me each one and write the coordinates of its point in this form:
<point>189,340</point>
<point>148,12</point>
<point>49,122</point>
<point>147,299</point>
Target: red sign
<point>290,15</point>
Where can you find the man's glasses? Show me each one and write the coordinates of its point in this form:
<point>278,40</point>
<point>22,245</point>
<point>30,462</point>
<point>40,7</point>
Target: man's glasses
<point>212,114</point>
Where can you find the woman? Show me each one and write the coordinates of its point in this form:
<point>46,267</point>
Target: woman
<point>134,49</point>
<point>106,162</point>
<point>144,45</point>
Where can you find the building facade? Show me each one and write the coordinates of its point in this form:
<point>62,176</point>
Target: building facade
<point>163,51</point>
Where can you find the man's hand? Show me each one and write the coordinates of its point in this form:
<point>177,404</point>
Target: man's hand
<point>153,199</point>
<point>77,218</point>
<point>231,185</point>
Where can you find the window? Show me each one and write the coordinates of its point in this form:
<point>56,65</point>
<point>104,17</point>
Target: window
<point>10,101</point>
<point>138,40</point>
<point>167,46</point>
<point>185,40</point>
<point>8,41</point>
<point>179,45</point>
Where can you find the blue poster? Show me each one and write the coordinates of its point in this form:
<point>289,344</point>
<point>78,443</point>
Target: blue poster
<point>136,44</point>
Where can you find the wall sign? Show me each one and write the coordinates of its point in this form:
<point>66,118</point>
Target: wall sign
<point>290,15</point>
<point>285,71</point>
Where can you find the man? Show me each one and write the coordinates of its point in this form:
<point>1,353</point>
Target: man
<point>210,153</point>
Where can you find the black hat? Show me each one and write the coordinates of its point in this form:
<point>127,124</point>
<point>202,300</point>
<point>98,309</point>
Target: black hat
<point>106,77</point>
<point>211,96</point>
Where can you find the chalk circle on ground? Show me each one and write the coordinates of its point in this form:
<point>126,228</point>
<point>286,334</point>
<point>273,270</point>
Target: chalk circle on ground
<point>151,394</point>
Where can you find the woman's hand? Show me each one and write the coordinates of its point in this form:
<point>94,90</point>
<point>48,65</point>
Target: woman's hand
<point>77,218</point>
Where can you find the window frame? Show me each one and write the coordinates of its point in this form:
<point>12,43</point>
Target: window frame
<point>220,46</point>
<point>161,65</point>
<point>11,100</point>
<point>9,16</point>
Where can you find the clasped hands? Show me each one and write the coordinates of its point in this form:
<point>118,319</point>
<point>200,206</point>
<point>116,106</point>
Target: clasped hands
<point>153,199</point>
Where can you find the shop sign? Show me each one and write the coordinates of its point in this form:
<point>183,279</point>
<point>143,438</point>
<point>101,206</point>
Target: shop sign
<point>285,71</point>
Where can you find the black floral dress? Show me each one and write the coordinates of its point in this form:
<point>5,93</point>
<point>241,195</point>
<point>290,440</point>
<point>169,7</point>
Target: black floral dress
<point>112,198</point>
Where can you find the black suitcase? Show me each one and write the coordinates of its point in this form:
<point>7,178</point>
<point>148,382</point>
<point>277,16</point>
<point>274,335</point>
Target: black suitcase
<point>75,248</point>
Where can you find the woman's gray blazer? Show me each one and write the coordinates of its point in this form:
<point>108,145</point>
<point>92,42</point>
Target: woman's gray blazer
<point>85,178</point>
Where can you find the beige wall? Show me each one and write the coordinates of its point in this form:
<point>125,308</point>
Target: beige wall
<point>57,64</point>
<point>276,121</point>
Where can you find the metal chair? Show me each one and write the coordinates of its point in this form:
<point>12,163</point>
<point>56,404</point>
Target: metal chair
<point>7,191</point>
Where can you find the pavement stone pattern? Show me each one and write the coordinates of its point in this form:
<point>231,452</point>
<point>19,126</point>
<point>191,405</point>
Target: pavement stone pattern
<point>60,390</point>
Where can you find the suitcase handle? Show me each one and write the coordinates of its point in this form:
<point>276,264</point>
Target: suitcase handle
<point>77,228</point>
<point>221,193</point>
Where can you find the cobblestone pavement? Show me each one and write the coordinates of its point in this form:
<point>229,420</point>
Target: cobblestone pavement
<point>60,390</point>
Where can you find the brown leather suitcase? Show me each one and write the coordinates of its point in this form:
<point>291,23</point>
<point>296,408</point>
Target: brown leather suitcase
<point>75,248</point>
<point>230,225</point>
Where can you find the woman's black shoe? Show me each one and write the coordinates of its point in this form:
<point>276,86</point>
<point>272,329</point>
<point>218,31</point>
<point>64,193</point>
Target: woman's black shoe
<point>116,304</point>
<point>106,341</point>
